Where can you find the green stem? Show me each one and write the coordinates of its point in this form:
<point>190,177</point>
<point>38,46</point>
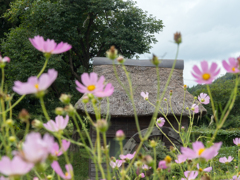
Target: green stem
<point>155,161</point>
<point>99,154</point>
<point>212,104</point>
<point>107,155</point>
<point>44,108</point>
<point>2,84</point>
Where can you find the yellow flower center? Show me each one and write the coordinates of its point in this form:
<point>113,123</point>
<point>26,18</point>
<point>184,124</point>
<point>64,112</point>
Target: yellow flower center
<point>56,152</point>
<point>36,86</point>
<point>168,159</point>
<point>200,151</point>
<point>66,174</point>
<point>202,100</point>
<point>233,69</point>
<point>200,169</point>
<point>91,87</point>
<point>206,76</point>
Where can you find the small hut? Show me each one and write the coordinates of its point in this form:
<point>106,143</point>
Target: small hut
<point>144,78</point>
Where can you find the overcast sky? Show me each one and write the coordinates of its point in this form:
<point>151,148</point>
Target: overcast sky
<point>210,31</point>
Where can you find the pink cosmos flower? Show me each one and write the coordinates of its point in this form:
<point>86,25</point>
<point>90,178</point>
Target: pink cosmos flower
<point>235,178</point>
<point>14,167</point>
<point>195,108</point>
<point>142,175</point>
<point>232,66</point>
<point>58,170</point>
<point>49,46</point>
<point>144,95</point>
<point>93,85</point>
<point>5,59</point>
<point>127,157</point>
<point>59,124</point>
<point>56,151</point>
<point>181,159</point>
<point>207,75</point>
<point>225,160</point>
<point>35,148</point>
<point>190,175</point>
<point>199,151</point>
<point>116,164</point>
<point>120,134</point>
<point>34,85</point>
<point>203,98</point>
<point>208,169</point>
<point>146,167</point>
<point>236,141</point>
<point>160,121</point>
<point>162,165</point>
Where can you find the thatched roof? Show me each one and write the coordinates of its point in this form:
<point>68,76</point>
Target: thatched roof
<point>143,75</point>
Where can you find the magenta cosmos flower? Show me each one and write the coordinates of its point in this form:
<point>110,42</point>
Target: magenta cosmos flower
<point>232,66</point>
<point>120,135</point>
<point>204,98</point>
<point>35,85</point>
<point>59,124</point>
<point>144,95</point>
<point>14,167</point>
<point>190,175</point>
<point>56,151</point>
<point>142,175</point>
<point>117,164</point>
<point>181,159</point>
<point>58,170</point>
<point>5,59</point>
<point>3,178</point>
<point>160,121</point>
<point>93,85</point>
<point>195,108</point>
<point>49,46</point>
<point>199,151</point>
<point>162,165</point>
<point>225,160</point>
<point>208,169</point>
<point>236,141</point>
<point>206,75</point>
<point>35,148</point>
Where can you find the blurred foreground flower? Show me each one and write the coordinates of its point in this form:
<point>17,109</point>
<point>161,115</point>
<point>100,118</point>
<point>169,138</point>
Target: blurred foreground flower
<point>178,37</point>
<point>3,61</point>
<point>190,175</point>
<point>56,151</point>
<point>127,156</point>
<point>49,46</point>
<point>232,66</point>
<point>59,171</point>
<point>203,98</point>
<point>112,53</point>
<point>35,85</point>
<point>59,124</point>
<point>35,148</point>
<point>91,84</point>
<point>207,75</point>
<point>195,108</point>
<point>14,167</point>
<point>199,151</point>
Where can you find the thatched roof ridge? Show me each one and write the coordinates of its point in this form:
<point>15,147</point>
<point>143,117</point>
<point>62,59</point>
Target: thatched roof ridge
<point>143,79</point>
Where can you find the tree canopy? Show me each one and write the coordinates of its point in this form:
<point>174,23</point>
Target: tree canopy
<point>90,26</point>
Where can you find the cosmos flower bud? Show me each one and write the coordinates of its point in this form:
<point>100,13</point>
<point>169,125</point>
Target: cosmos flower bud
<point>182,128</point>
<point>155,60</point>
<point>70,110</point>
<point>113,159</point>
<point>59,111</point>
<point>184,86</point>
<point>49,177</point>
<point>9,122</point>
<point>65,98</point>
<point>138,164</point>
<point>170,92</point>
<point>102,125</point>
<point>148,160</point>
<point>121,59</point>
<point>12,138</point>
<point>195,97</point>
<point>8,97</point>
<point>24,115</point>
<point>120,135</point>
<point>153,143</point>
<point>187,108</point>
<point>85,99</point>
<point>165,99</point>
<point>37,124</point>
<point>178,37</point>
<point>112,53</point>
